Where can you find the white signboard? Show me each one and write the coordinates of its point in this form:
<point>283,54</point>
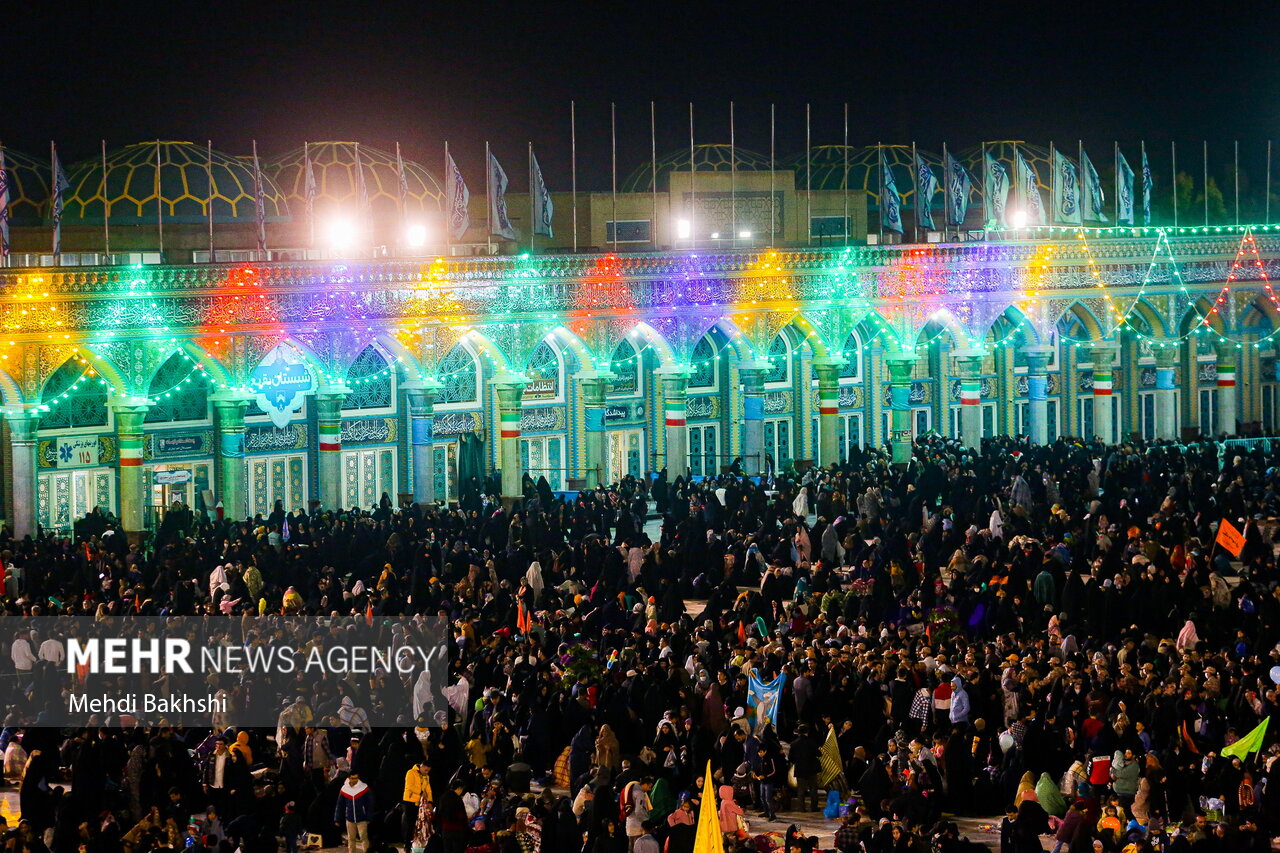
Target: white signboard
<point>78,452</point>
<point>171,478</point>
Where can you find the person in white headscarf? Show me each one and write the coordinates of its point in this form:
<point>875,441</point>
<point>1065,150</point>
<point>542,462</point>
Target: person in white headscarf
<point>996,525</point>
<point>800,506</point>
<point>351,716</point>
<point>533,577</point>
<point>422,700</point>
<point>217,578</point>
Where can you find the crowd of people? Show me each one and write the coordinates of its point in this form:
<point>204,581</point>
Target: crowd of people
<point>1049,632</point>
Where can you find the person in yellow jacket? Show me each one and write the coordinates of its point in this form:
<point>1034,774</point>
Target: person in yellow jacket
<point>417,787</point>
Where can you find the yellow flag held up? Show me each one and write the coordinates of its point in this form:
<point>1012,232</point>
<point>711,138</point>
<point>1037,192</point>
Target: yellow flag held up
<point>1252,742</point>
<point>708,838</point>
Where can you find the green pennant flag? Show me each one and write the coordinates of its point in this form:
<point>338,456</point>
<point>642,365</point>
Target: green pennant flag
<point>1252,742</point>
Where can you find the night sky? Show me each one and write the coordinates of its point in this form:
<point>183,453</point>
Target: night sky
<point>425,72</point>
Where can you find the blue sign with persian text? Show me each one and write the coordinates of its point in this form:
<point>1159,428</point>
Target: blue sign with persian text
<point>281,380</point>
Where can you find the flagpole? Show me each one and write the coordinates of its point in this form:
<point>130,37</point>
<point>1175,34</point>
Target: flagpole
<point>57,210</point>
<point>306,178</point>
<point>772,169</point>
<point>1082,189</point>
<point>1206,182</point>
<point>613,149</point>
<point>159,205</point>
<point>448,201</point>
<point>488,198</point>
<point>1053,184</point>
<point>845,183</point>
<point>1115,159</point>
<point>986,191</point>
<point>533,237</point>
<point>915,171</point>
<point>401,186</point>
<point>1146,183</point>
<point>1237,170</point>
<point>653,174</point>
<point>733,182</point>
<point>693,188</point>
<point>1267,217</point>
<point>106,227</point>
<point>259,205</point>
<point>946,197</point>
<point>808,179</point>
<point>208,207</point>
<point>880,200</point>
<point>1173,156</point>
<point>573,160</point>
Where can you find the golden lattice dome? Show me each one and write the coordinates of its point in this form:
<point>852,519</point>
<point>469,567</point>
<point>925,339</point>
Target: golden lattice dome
<point>185,171</point>
<point>333,164</point>
<point>28,186</point>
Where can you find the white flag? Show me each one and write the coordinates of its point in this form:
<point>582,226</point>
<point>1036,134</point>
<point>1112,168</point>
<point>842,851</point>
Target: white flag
<point>543,210</point>
<point>499,223</point>
<point>996,188</point>
<point>1124,190</point>
<point>1028,190</point>
<point>1146,187</point>
<point>1066,190</point>
<point>459,198</point>
<point>1091,198</point>
<point>60,188</point>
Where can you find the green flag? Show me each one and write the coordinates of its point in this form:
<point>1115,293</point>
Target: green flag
<point>1252,742</point>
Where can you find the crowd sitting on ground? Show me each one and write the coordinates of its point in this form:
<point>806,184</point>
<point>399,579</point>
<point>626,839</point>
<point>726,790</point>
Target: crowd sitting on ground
<point>1049,630</point>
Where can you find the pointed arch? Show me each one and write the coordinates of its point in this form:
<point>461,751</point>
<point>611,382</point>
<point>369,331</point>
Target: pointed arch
<point>941,322</point>
<point>10,390</point>
<point>486,351</point>
<point>178,390</point>
<point>73,396</point>
<point>105,368</point>
<point>655,341</point>
<point>1078,312</point>
<point>217,371</point>
<point>1199,314</point>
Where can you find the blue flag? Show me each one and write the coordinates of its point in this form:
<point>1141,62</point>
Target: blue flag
<point>890,201</point>
<point>499,223</point>
<point>60,186</point>
<point>926,187</point>
<point>1146,188</point>
<point>996,188</point>
<point>1124,190</point>
<point>259,202</point>
<point>4,209</point>
<point>763,699</point>
<point>1028,190</point>
<point>1091,198</point>
<point>543,210</point>
<point>459,216</point>
<point>958,188</point>
<point>1066,190</point>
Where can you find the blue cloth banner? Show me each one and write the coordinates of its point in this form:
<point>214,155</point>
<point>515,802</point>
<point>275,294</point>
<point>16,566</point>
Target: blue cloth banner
<point>753,408</point>
<point>543,209</point>
<point>890,200</point>
<point>4,208</point>
<point>1164,378</point>
<point>1028,190</point>
<point>958,188</point>
<point>926,187</point>
<point>900,396</point>
<point>1038,387</point>
<point>459,197</point>
<point>1146,188</point>
<point>763,699</point>
<point>1091,200</point>
<point>1124,190</point>
<point>595,420</point>
<point>232,445</point>
<point>499,223</point>
<point>996,189</point>
<point>420,430</point>
<point>1066,190</point>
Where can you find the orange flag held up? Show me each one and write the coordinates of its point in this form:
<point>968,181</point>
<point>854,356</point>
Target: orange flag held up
<point>1229,538</point>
